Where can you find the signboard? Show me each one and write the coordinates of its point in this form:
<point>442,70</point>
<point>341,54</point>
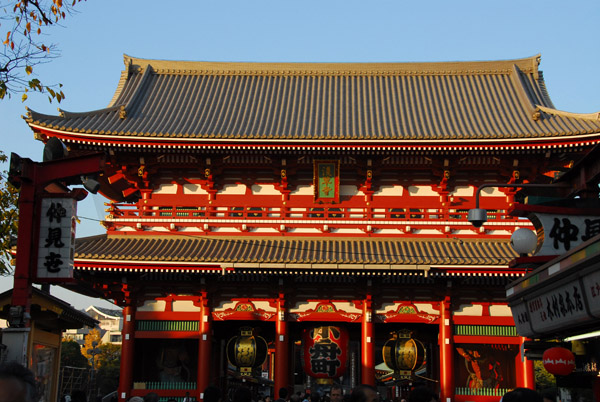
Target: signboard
<point>561,233</point>
<point>522,321</point>
<point>562,295</point>
<point>56,246</point>
<point>557,308</point>
<point>327,181</point>
<point>592,292</point>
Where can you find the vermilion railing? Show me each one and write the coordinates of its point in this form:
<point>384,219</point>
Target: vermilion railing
<point>366,218</point>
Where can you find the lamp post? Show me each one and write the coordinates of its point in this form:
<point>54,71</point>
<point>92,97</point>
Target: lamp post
<point>478,216</point>
<point>93,351</point>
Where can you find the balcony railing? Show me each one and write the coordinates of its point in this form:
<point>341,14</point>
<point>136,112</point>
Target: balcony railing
<point>368,219</point>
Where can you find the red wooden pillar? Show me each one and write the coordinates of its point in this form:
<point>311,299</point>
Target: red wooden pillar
<point>127,349</point>
<point>204,327</point>
<point>281,349</point>
<point>367,361</point>
<point>525,370</point>
<point>446,352</point>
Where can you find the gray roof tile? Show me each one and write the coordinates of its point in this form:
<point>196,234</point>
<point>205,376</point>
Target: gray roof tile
<point>383,102</point>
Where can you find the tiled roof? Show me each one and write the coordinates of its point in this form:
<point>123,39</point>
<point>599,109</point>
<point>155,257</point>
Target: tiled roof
<point>63,315</point>
<point>291,252</point>
<point>191,102</point>
<point>106,311</point>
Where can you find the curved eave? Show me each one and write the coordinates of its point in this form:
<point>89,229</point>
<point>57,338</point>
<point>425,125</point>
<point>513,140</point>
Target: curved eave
<point>160,267</point>
<point>107,140</point>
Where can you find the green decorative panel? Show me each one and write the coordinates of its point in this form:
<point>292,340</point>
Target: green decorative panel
<point>485,330</point>
<point>158,325</point>
<point>481,391</point>
<point>184,385</point>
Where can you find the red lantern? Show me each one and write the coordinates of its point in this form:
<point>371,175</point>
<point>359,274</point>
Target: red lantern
<point>325,351</point>
<point>558,361</point>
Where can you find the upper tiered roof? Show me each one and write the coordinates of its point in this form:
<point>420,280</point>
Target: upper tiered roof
<point>187,103</point>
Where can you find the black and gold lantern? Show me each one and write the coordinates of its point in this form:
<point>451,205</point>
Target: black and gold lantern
<point>403,354</point>
<point>246,351</point>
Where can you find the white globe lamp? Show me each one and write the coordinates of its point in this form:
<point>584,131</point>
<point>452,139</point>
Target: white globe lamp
<point>523,241</point>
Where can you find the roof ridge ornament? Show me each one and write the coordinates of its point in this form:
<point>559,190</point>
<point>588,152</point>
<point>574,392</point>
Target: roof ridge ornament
<point>122,112</point>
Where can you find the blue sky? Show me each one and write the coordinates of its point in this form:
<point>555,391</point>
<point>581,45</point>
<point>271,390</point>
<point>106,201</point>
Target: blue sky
<point>94,40</point>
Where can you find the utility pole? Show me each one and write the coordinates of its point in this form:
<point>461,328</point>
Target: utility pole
<point>93,351</point>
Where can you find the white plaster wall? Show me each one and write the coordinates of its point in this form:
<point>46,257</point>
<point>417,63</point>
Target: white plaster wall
<point>422,191</point>
<point>265,189</point>
<point>389,191</point>
<point>184,305</point>
<point>166,188</point>
<point>190,188</point>
<point>264,305</point>
<point>350,190</point>
<point>153,305</point>
<point>303,306</point>
<point>463,191</point>
<point>339,305</point>
<point>303,190</point>
<point>500,311</point>
<point>233,189</point>
<point>427,308</point>
<point>225,306</point>
<point>469,309</point>
<point>492,192</point>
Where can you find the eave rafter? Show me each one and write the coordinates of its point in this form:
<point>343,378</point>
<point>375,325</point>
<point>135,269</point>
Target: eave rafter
<point>253,145</point>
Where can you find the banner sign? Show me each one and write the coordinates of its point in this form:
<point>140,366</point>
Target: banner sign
<point>561,233</point>
<point>327,181</point>
<point>562,295</point>
<point>56,246</point>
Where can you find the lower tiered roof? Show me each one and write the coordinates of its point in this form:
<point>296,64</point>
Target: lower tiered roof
<point>126,252</point>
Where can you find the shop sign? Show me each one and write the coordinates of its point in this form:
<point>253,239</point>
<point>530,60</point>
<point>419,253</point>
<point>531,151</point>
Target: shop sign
<point>522,321</point>
<point>562,233</point>
<point>562,295</point>
<point>56,246</point>
<point>592,292</point>
<point>557,308</point>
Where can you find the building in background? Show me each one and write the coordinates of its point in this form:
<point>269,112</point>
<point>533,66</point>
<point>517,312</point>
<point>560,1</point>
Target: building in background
<point>295,225</point>
<point>50,318</point>
<point>109,325</point>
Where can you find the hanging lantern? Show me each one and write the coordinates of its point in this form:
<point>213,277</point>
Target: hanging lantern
<point>403,354</point>
<point>246,351</point>
<point>325,351</point>
<point>558,361</point>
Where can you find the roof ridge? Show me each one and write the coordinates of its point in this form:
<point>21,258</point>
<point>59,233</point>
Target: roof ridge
<point>136,92</point>
<point>68,115</point>
<point>529,65</point>
<point>585,116</point>
<point>522,93</point>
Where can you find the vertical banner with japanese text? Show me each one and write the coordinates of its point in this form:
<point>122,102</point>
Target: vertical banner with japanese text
<point>56,246</point>
<point>327,181</point>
